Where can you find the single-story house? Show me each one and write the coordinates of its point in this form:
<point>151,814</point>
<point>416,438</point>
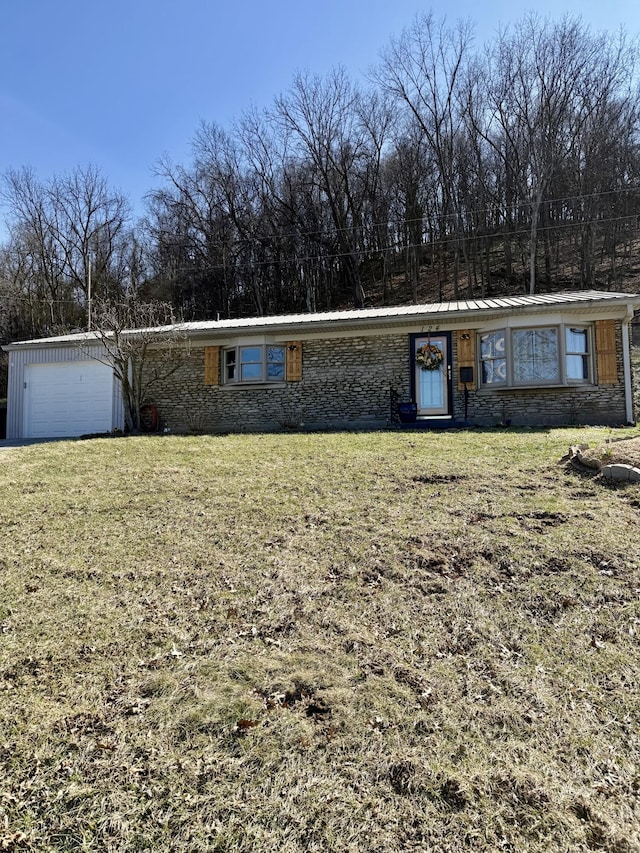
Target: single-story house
<point>547,359</point>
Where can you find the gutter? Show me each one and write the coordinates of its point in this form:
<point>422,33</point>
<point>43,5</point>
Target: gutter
<point>626,361</point>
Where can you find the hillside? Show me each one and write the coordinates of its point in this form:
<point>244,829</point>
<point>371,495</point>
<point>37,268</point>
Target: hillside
<point>436,284</point>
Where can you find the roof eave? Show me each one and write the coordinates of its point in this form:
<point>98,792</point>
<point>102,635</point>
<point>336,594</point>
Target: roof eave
<point>430,319</point>
<point>435,316</point>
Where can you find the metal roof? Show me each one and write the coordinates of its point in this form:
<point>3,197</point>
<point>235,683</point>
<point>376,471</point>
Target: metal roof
<point>468,309</point>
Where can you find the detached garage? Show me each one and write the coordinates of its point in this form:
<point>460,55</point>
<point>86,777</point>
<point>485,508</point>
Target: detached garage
<point>61,392</point>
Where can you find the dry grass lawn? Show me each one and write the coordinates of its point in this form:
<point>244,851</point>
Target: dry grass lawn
<point>332,642</point>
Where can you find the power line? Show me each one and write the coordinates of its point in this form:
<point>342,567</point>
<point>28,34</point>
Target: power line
<point>516,207</point>
<point>402,247</point>
<point>397,249</point>
<point>396,223</point>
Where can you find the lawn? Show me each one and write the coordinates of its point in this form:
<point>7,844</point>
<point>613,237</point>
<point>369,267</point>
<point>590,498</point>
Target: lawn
<point>325,642</point>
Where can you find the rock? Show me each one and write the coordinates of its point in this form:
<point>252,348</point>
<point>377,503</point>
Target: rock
<point>618,471</point>
<point>576,455</point>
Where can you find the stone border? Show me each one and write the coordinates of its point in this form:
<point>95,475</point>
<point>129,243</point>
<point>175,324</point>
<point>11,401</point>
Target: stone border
<point>624,473</point>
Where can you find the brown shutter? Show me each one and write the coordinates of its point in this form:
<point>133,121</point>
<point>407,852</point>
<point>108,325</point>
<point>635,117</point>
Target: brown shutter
<point>466,352</point>
<point>606,352</point>
<point>294,361</point>
<point>212,365</point>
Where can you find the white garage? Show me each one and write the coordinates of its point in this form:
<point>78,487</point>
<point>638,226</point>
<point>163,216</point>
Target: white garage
<point>61,392</point>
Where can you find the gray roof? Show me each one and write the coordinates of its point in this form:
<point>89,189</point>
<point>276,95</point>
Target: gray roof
<point>467,310</point>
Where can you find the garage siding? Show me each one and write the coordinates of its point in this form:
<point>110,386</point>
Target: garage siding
<point>18,359</point>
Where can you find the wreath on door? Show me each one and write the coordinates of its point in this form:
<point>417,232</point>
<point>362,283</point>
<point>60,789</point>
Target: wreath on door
<point>429,357</point>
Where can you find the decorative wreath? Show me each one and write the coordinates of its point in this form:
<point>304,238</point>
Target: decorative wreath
<point>429,357</point>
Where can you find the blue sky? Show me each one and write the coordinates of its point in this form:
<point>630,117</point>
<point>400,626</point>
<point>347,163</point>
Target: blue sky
<point>119,84</point>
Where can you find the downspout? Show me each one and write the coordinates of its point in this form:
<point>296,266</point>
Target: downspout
<point>626,361</point>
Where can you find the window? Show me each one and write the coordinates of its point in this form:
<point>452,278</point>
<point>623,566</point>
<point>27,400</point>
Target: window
<point>577,346</point>
<point>254,363</point>
<point>534,357</point>
<point>493,361</point>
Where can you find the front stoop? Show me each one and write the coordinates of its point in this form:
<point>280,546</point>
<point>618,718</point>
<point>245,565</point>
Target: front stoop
<point>434,423</point>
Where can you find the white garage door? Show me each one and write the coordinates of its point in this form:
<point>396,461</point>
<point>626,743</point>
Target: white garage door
<point>67,399</point>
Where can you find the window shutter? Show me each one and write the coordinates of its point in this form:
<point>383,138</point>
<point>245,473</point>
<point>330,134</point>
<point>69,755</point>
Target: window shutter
<point>466,352</point>
<point>294,361</point>
<point>212,365</point>
<point>606,352</point>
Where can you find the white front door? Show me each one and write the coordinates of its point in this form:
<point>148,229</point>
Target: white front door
<point>431,358</point>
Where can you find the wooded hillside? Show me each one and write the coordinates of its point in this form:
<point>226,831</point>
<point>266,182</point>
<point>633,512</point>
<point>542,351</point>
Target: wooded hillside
<point>453,170</point>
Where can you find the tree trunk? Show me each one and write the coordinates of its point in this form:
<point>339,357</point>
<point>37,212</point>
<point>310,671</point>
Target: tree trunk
<point>535,212</point>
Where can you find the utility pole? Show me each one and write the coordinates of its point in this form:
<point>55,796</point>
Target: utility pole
<point>89,295</point>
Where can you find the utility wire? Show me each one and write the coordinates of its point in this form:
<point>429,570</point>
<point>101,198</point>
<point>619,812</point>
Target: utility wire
<point>515,207</point>
<point>397,249</point>
<point>429,245</point>
<point>442,218</point>
<point>370,253</point>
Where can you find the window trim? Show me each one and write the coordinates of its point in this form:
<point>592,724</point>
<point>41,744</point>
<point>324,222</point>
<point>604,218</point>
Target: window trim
<point>563,379</point>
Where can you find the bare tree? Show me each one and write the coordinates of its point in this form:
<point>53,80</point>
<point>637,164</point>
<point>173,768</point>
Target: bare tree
<point>143,344</point>
<point>328,123</point>
<point>485,159</point>
<point>409,184</point>
<point>33,249</point>
<point>423,70</point>
<point>62,227</point>
<point>546,84</point>
<point>88,220</point>
<point>199,220</point>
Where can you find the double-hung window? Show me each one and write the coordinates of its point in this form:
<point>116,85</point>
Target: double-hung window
<point>554,355</point>
<point>493,358</point>
<point>577,354</point>
<point>254,363</point>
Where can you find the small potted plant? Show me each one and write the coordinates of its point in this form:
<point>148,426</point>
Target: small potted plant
<point>407,412</point>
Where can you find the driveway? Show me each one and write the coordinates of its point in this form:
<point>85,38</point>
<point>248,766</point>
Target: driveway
<point>7,443</point>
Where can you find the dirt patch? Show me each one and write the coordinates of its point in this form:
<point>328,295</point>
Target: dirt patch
<point>625,451</point>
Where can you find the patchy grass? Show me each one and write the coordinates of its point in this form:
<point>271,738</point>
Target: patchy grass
<point>346,642</point>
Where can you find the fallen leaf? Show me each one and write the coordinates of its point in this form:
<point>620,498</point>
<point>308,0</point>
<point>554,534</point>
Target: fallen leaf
<point>244,725</point>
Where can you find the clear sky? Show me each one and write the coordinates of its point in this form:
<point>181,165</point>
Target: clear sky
<point>119,84</point>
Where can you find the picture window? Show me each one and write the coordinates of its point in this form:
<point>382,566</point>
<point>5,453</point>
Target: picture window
<point>535,357</point>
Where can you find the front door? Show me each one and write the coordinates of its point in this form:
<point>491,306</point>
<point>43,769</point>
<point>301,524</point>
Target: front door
<point>432,374</point>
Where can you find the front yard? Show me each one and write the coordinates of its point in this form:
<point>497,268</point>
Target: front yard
<point>344,642</point>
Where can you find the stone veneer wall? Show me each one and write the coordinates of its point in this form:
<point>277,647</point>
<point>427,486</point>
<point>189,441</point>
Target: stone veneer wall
<point>575,404</point>
<point>351,382</point>
<point>346,383</point>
